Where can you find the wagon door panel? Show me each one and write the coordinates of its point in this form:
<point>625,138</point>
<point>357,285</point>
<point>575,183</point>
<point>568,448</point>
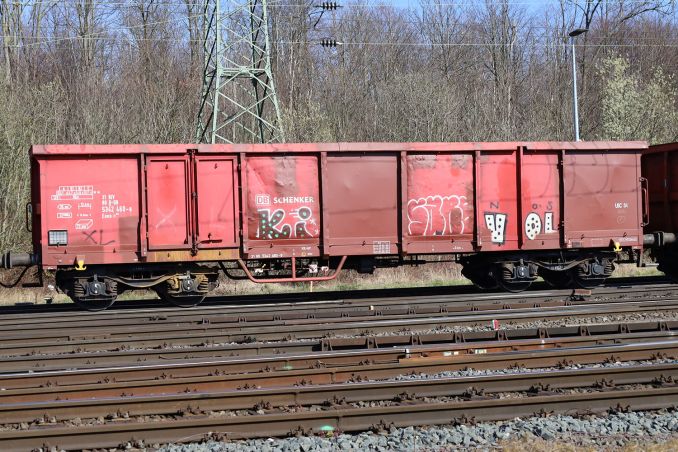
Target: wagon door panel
<point>440,215</point>
<point>282,206</point>
<point>602,199</point>
<point>94,203</point>
<point>540,195</point>
<point>216,208</point>
<point>361,204</point>
<point>498,213</point>
<point>167,203</point>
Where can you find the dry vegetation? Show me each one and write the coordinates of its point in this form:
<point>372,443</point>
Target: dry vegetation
<point>539,445</point>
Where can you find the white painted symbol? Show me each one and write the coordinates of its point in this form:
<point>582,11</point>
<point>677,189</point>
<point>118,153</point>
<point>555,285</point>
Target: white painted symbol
<point>165,218</point>
<point>496,223</point>
<point>84,224</point>
<point>262,200</point>
<point>73,192</point>
<point>64,215</point>
<point>381,247</point>
<point>548,219</point>
<point>532,226</point>
<point>64,206</point>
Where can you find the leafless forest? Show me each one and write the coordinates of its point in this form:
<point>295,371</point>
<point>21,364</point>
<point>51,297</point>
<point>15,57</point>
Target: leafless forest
<point>114,71</point>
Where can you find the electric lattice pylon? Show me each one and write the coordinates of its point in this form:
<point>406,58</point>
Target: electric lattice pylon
<point>239,102</point>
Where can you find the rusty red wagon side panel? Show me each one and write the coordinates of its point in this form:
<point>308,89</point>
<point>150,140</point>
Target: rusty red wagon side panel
<point>660,167</point>
<point>176,203</point>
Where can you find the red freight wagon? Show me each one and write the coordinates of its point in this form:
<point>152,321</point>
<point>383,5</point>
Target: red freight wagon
<point>660,164</point>
<point>113,217</point>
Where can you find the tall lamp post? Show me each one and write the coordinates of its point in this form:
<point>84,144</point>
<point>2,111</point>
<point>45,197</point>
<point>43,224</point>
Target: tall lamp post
<point>575,110</point>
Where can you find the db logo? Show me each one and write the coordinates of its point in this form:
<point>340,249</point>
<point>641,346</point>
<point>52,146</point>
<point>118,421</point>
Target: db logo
<point>262,200</point>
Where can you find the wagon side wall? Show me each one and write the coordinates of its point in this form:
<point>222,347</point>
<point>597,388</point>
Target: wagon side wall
<point>175,203</point>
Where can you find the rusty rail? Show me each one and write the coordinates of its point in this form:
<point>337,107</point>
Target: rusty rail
<point>340,419</point>
<point>164,335</point>
<point>17,409</point>
<point>319,368</point>
<point>494,340</point>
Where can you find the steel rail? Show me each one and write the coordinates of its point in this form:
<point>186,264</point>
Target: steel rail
<point>168,335</point>
<point>320,368</point>
<point>16,411</point>
<point>248,303</point>
<point>323,308</point>
<point>113,434</point>
<point>494,341</point>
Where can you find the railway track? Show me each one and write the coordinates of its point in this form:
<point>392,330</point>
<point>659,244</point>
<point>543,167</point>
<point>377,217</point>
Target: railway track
<point>297,300</point>
<point>109,379</point>
<point>463,342</point>
<point>203,415</point>
<point>165,332</point>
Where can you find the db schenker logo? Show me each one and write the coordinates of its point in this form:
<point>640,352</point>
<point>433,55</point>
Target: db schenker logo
<point>262,200</point>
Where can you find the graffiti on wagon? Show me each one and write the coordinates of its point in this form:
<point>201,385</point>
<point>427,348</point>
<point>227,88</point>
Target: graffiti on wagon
<point>285,217</point>
<point>437,215</point>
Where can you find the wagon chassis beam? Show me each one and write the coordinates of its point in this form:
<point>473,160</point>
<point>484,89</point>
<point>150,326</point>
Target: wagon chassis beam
<point>294,277</point>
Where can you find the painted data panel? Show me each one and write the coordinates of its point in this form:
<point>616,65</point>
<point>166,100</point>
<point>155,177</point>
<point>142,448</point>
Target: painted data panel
<point>540,191</point>
<point>498,216</point>
<point>602,199</point>
<point>362,203</point>
<point>439,201</point>
<point>95,200</point>
<point>167,203</point>
<point>283,198</point>
<point>216,215</point>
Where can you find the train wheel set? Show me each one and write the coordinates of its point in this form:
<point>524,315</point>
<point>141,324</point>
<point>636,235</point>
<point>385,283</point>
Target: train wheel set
<point>170,218</point>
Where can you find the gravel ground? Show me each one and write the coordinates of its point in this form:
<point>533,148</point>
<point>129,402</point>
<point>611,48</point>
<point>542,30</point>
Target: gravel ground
<point>607,432</point>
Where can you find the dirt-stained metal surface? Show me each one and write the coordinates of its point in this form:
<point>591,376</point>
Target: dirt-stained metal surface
<point>128,204</point>
<point>340,366</point>
<point>231,330</point>
<point>201,398</point>
<point>339,419</point>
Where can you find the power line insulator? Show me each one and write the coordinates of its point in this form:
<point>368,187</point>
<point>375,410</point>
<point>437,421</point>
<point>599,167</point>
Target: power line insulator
<point>329,6</point>
<point>327,42</point>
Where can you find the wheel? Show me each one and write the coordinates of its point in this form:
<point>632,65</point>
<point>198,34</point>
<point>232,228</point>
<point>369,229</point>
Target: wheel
<point>587,282</point>
<point>91,293</point>
<point>94,304</point>
<point>515,287</point>
<point>557,279</point>
<point>482,280</point>
<point>507,281</point>
<point>587,276</point>
<point>181,301</point>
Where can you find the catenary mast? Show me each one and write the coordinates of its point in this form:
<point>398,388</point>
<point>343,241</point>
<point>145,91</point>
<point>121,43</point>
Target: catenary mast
<point>239,102</point>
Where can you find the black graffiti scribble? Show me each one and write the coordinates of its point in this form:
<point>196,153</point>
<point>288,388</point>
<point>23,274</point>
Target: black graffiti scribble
<point>91,237</point>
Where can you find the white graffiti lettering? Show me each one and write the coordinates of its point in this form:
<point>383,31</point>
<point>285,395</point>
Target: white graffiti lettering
<point>496,223</point>
<point>534,226</point>
<point>436,215</point>
<point>280,224</point>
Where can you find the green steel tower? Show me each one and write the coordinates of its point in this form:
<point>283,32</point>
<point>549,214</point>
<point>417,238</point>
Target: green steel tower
<point>239,102</point>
